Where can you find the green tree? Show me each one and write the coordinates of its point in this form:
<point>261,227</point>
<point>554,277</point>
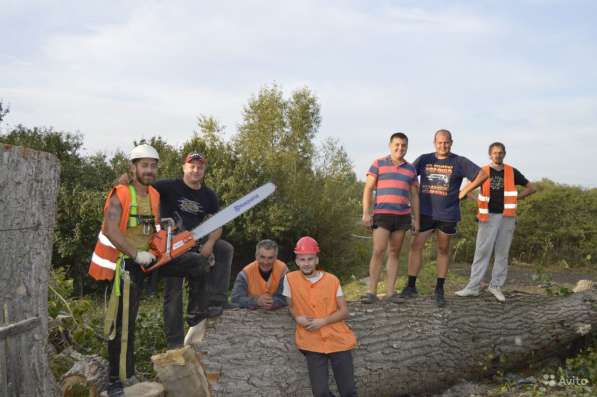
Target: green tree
<point>3,111</point>
<point>79,199</point>
<point>316,187</point>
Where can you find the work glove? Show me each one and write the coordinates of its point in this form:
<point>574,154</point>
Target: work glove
<point>144,258</point>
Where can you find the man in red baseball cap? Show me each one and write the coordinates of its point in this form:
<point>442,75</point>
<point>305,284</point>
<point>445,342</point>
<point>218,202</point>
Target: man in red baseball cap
<point>317,304</point>
<point>189,202</point>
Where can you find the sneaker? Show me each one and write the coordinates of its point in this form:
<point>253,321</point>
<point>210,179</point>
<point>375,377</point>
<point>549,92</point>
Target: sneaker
<point>409,292</point>
<point>440,300</point>
<point>497,292</point>
<point>394,298</point>
<point>369,298</point>
<point>195,333</point>
<point>115,389</point>
<point>467,292</point>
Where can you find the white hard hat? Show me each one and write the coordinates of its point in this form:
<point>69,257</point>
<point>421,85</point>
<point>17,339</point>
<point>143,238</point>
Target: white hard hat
<point>144,151</point>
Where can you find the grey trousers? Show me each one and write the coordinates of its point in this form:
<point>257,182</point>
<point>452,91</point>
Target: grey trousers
<point>493,236</point>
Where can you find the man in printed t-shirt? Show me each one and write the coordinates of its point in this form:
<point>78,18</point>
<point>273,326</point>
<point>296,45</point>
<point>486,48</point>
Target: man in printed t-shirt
<point>441,175</point>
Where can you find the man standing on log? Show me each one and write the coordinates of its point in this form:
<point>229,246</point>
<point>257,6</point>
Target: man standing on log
<point>497,202</point>
<point>131,216</point>
<point>441,174</point>
<point>396,185</point>
<point>189,202</point>
<point>317,304</point>
<point>259,284</point>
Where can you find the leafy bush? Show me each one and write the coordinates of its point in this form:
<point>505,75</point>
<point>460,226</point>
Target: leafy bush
<point>556,225</point>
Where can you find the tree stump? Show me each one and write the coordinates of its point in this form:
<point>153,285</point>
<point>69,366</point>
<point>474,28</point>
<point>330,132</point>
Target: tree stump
<point>28,190</point>
<point>410,348</point>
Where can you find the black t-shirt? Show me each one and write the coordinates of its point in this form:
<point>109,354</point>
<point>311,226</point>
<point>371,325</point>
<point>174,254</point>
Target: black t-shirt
<point>188,207</point>
<point>496,188</point>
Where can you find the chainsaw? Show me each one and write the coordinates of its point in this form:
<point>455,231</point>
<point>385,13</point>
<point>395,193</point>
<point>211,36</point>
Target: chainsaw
<point>167,245</point>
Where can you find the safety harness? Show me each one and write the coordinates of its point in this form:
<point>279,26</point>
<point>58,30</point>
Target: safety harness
<point>112,310</point>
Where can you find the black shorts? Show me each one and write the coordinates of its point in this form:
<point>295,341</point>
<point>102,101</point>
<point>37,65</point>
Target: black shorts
<point>391,222</point>
<point>428,223</point>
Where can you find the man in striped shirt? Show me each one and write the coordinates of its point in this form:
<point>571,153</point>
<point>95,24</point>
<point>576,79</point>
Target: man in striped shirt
<point>396,185</point>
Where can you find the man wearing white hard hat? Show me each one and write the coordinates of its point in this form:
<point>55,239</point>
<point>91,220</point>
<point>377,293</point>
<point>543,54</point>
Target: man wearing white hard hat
<point>317,304</point>
<point>131,217</point>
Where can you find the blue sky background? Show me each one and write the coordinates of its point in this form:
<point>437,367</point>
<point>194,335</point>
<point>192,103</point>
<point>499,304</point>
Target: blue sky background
<point>522,72</point>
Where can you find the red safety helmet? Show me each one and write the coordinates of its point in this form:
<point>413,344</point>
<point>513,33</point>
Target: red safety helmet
<point>306,245</point>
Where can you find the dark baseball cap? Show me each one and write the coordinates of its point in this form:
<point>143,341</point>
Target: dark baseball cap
<point>195,156</point>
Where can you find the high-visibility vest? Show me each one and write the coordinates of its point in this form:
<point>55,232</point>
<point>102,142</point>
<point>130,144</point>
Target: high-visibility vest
<point>510,194</point>
<point>318,300</point>
<point>257,285</point>
<point>105,255</point>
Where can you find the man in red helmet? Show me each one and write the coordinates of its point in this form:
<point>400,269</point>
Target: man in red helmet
<point>316,302</point>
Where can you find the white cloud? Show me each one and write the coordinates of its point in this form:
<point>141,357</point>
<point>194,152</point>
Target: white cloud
<point>116,72</point>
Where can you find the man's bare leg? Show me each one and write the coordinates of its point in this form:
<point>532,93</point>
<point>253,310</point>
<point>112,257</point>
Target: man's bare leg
<point>415,258</point>
<point>443,253</point>
<point>443,261</point>
<point>394,247</point>
<point>380,244</point>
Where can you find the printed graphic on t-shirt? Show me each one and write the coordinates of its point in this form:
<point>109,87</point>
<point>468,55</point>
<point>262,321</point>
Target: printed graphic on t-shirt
<point>497,182</point>
<point>438,179</point>
<point>190,206</point>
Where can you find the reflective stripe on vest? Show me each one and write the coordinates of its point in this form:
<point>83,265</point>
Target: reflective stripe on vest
<point>318,300</point>
<point>105,255</point>
<point>256,285</point>
<point>133,208</point>
<point>510,194</point>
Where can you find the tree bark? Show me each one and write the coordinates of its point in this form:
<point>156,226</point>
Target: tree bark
<point>28,190</point>
<point>413,348</point>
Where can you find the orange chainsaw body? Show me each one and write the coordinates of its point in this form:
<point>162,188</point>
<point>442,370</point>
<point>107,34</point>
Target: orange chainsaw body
<point>179,244</point>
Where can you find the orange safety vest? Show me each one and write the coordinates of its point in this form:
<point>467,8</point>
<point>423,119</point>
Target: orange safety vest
<point>510,194</point>
<point>318,300</point>
<point>105,255</point>
<point>257,285</point>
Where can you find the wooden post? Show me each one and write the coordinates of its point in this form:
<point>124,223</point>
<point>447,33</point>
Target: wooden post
<point>28,189</point>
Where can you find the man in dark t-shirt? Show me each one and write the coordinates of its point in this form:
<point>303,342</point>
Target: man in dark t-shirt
<point>188,201</point>
<point>441,175</point>
<point>497,204</point>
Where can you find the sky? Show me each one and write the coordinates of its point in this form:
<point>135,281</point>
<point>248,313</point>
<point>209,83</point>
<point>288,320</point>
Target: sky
<point>520,72</point>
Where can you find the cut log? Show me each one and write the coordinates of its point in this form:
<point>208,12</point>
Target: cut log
<point>89,373</point>
<point>141,389</point>
<point>412,348</point>
<point>181,373</point>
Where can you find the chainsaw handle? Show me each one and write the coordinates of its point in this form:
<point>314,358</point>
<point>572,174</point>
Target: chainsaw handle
<point>166,246</point>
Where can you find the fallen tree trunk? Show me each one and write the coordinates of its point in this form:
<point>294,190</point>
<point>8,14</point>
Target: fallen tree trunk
<point>413,348</point>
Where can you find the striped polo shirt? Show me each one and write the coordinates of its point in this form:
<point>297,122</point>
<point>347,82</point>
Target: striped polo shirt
<point>393,183</point>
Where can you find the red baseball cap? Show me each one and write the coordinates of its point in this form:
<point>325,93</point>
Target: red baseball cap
<point>195,156</point>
